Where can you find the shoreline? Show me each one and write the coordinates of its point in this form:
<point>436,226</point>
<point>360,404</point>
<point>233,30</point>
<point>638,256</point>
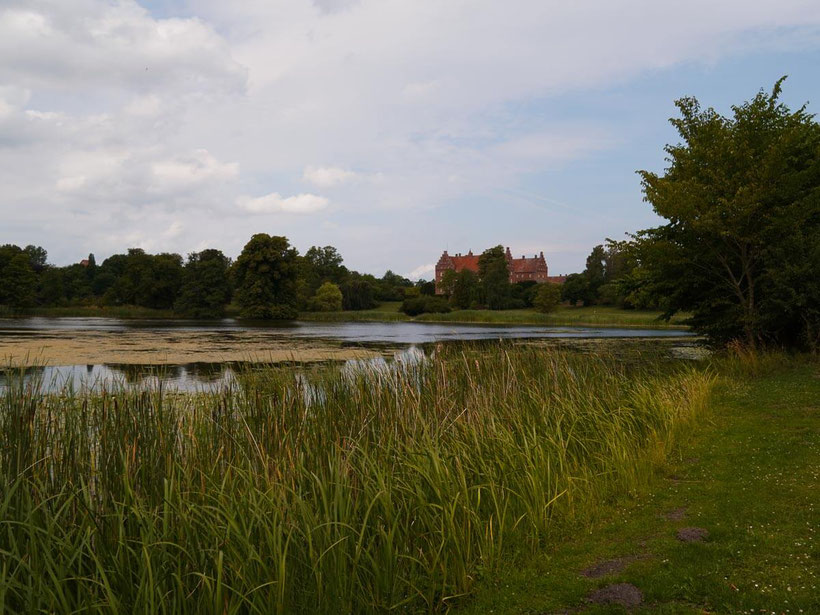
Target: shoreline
<point>388,312</point>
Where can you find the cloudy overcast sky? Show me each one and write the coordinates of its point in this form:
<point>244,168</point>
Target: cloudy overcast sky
<point>391,129</point>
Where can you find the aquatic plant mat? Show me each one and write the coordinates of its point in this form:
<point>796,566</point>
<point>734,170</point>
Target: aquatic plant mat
<point>331,491</point>
<point>159,347</point>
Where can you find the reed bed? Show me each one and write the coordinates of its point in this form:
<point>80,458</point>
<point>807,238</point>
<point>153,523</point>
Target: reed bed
<point>335,491</point>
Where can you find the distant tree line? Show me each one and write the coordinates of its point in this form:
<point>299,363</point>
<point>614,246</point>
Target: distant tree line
<point>269,280</point>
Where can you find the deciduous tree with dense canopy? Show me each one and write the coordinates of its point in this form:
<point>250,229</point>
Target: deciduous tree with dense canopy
<point>495,277</point>
<point>206,286</point>
<point>741,249</point>
<point>265,276</point>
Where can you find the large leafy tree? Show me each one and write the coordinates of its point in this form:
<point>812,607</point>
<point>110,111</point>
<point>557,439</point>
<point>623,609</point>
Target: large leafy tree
<point>575,288</point>
<point>741,249</point>
<point>19,282</point>
<point>206,285</point>
<point>138,278</point>
<point>495,277</point>
<point>359,293</point>
<point>466,289</point>
<point>323,265</point>
<point>265,276</point>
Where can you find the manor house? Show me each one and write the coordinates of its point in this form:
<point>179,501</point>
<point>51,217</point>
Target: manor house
<point>521,269</point>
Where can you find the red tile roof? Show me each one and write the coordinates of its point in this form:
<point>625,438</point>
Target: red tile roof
<point>525,265</point>
<point>469,261</point>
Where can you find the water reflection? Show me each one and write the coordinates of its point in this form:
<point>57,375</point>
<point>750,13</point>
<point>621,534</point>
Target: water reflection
<point>350,332</point>
<point>188,377</point>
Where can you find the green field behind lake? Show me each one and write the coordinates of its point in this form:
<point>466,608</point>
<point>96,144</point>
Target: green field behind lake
<point>597,316</point>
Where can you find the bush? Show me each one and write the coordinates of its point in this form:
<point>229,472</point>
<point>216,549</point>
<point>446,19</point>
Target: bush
<point>414,306</point>
<point>547,298</point>
<point>328,298</point>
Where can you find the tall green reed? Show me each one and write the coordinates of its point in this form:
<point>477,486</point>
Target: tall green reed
<point>337,491</point>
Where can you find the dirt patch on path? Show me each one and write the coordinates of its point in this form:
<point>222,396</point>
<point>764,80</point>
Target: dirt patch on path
<point>58,347</point>
<point>607,567</point>
<point>678,514</point>
<point>693,534</point>
<point>624,594</point>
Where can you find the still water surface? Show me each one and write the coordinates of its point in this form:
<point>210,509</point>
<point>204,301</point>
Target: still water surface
<point>363,332</point>
<point>205,376</point>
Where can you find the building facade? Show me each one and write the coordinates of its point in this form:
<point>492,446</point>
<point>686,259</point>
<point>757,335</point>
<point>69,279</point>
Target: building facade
<point>521,269</point>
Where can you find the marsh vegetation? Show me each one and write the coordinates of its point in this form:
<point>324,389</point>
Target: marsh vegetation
<point>393,488</point>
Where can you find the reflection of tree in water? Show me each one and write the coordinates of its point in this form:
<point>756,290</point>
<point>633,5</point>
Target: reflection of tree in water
<point>206,372</point>
<point>21,376</point>
<point>135,374</point>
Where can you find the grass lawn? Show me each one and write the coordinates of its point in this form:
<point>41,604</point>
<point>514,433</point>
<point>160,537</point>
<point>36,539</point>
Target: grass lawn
<point>751,477</point>
<point>564,316</point>
<point>387,311</point>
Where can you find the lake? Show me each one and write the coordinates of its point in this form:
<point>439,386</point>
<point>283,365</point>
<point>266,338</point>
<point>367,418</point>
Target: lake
<point>361,332</point>
<point>196,355</point>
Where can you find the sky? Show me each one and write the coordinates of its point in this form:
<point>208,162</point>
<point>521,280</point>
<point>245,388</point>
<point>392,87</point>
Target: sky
<point>390,129</point>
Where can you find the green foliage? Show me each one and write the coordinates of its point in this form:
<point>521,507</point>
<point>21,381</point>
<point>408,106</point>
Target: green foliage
<point>328,298</point>
<point>495,277</point>
<point>391,287</point>
<point>206,286</point>
<point>448,281</point>
<point>595,274</point>
<point>52,289</point>
<point>358,294</point>
<point>524,292</point>
<point>317,266</point>
<point>742,196</point>
<point>142,279</point>
<point>37,257</point>
<point>19,282</point>
<point>265,276</point>
<point>466,289</point>
<point>426,288</point>
<point>547,297</point>
<point>413,306</point>
<point>574,288</point>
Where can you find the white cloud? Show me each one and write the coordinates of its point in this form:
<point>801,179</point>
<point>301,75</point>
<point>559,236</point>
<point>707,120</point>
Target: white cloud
<point>274,202</point>
<point>90,43</point>
<point>422,271</point>
<point>326,177</point>
<point>112,118</point>
<point>197,168</point>
<point>148,106</point>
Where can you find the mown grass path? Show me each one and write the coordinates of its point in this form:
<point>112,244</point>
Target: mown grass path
<point>751,477</point>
